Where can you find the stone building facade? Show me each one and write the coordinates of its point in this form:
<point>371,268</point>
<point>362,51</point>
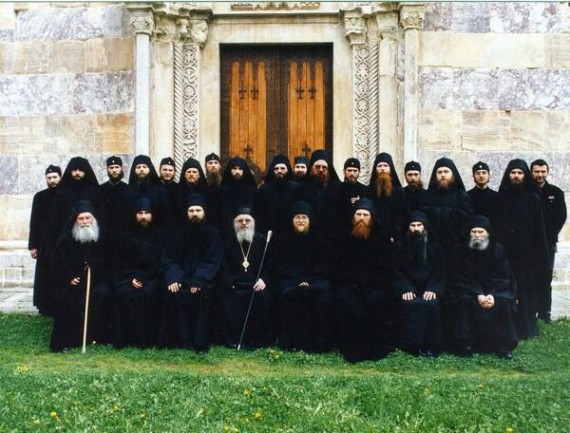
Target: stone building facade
<point>471,81</point>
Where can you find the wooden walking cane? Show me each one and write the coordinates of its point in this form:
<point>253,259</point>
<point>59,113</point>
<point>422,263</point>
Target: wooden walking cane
<point>86,318</point>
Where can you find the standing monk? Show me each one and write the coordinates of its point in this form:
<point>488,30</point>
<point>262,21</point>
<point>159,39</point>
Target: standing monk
<point>37,242</point>
<point>554,211</point>
<point>519,227</point>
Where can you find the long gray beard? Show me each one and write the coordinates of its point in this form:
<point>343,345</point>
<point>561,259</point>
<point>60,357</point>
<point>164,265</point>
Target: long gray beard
<point>84,235</point>
<point>246,235</point>
<point>479,245</point>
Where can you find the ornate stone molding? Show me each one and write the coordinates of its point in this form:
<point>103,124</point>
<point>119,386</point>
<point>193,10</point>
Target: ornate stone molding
<point>272,6</point>
<point>142,19</point>
<point>190,61</point>
<point>355,27</point>
<point>412,16</point>
<point>360,55</point>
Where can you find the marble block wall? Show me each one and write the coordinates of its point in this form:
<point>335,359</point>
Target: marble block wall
<point>494,83</point>
<point>66,89</point>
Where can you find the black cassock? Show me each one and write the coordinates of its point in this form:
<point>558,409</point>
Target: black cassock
<point>365,303</point>
<point>273,205</point>
<point>305,311</point>
<point>416,273</point>
<point>519,227</point>
<point>69,261</point>
<point>192,256</point>
<point>483,273</point>
<point>235,294</point>
<point>137,255</point>
<point>484,202</point>
<point>38,239</point>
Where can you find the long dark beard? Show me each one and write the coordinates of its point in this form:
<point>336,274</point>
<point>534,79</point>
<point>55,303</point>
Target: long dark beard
<point>143,182</point>
<point>213,178</point>
<point>417,248</point>
<point>384,185</point>
<point>361,230</point>
<point>321,178</point>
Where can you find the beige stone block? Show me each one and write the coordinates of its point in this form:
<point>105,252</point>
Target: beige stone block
<point>67,57</point>
<point>557,125</point>
<point>6,57</point>
<point>23,135</point>
<point>114,133</point>
<point>31,57</point>
<point>564,235</point>
<point>7,16</point>
<point>70,134</point>
<point>528,131</point>
<point>485,130</point>
<point>439,129</point>
<point>14,224</point>
<point>109,54</point>
<point>558,50</point>
<point>476,50</point>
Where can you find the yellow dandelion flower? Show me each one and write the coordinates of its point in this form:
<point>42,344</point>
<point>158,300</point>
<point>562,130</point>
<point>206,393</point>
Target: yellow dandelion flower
<point>246,392</point>
<point>115,408</point>
<point>37,421</point>
<point>53,414</point>
<point>257,415</point>
<point>509,430</point>
<point>226,428</point>
<point>480,386</point>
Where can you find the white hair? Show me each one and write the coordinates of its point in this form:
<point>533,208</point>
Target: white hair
<point>86,234</point>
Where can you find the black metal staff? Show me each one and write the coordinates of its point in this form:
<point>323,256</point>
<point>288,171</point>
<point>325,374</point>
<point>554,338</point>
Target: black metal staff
<point>86,318</point>
<point>269,234</point>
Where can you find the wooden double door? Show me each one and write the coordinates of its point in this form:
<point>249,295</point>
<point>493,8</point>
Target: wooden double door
<point>275,99</point>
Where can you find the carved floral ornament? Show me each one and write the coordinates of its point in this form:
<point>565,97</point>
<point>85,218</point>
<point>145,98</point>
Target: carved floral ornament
<point>172,21</point>
<point>411,16</point>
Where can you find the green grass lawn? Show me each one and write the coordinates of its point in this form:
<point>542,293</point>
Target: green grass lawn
<point>130,390</point>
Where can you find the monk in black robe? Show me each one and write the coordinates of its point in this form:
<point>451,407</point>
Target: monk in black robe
<point>38,241</point>
<point>419,283</point>
<point>192,181</point>
<point>144,182</point>
<point>483,198</point>
<point>346,195</point>
<point>81,246</point>
<point>447,206</point>
<point>244,283</point>
<point>483,295</point>
<point>238,190</point>
<point>519,227</point>
<point>275,197</point>
<point>318,189</point>
<point>137,280</point>
<point>555,213</point>
<point>385,191</point>
<point>191,262</point>
<point>114,193</point>
<point>303,283</point>
<point>414,191</point>
<point>365,303</point>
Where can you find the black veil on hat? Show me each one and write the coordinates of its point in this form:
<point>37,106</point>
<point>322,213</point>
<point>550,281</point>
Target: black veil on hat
<point>446,162</point>
<point>193,163</point>
<point>326,156</point>
<point>387,158</point>
<point>521,165</point>
<point>279,159</point>
<point>143,159</point>
<point>248,178</point>
<point>79,163</point>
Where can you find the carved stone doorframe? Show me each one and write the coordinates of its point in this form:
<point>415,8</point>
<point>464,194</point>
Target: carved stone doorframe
<point>383,39</point>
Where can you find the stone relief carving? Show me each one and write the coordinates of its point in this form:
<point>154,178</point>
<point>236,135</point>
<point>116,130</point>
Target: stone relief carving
<point>198,31</point>
<point>190,93</point>
<point>250,6</point>
<point>355,29</point>
<point>360,55</point>
<point>143,23</point>
<point>412,16</point>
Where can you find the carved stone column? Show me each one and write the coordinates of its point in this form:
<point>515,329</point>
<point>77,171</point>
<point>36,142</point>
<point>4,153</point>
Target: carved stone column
<point>187,87</point>
<point>356,32</point>
<point>411,19</point>
<point>142,21</point>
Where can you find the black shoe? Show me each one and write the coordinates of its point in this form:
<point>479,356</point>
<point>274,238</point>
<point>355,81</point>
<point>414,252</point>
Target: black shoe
<point>545,317</point>
<point>507,355</point>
